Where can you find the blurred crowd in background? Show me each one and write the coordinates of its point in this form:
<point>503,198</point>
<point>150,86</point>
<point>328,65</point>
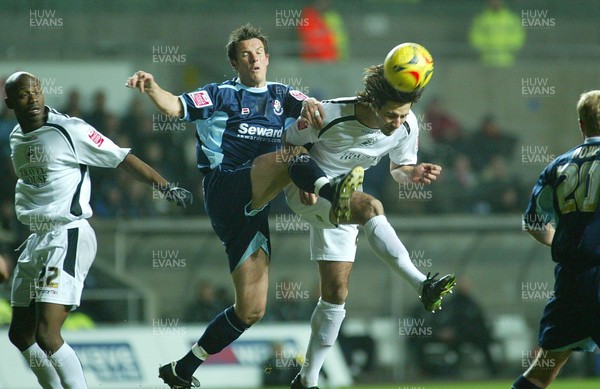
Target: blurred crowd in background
<point>477,177</point>
<point>480,177</point>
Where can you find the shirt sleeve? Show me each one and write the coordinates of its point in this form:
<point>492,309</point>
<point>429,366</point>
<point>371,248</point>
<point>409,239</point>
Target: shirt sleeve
<point>94,149</point>
<point>300,133</point>
<point>292,105</point>
<point>406,151</point>
<point>199,104</point>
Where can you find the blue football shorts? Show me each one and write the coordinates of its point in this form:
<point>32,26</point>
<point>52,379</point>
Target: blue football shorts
<point>571,319</point>
<point>226,193</point>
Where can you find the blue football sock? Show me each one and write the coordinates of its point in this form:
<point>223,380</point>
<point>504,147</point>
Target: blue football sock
<point>225,328</point>
<point>326,192</point>
<point>524,383</point>
<point>304,172</point>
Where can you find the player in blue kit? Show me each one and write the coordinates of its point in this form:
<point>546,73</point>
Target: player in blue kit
<point>567,193</point>
<point>237,121</point>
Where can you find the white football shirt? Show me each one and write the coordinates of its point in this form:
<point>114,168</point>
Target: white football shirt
<point>51,164</point>
<point>344,142</point>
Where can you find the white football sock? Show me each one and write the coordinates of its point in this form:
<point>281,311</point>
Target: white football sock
<point>38,362</point>
<point>69,368</point>
<point>325,325</point>
<point>388,247</point>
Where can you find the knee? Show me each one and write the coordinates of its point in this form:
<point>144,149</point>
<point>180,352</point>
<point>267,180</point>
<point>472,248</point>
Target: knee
<point>20,339</point>
<point>48,340</point>
<point>335,293</point>
<point>369,208</point>
<point>252,316</point>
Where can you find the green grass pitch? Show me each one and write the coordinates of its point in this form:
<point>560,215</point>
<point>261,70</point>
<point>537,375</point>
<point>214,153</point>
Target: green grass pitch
<point>558,384</point>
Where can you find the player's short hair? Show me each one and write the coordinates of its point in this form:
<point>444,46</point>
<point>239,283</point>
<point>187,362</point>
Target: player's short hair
<point>244,33</point>
<point>12,81</point>
<point>378,91</point>
<point>588,109</point>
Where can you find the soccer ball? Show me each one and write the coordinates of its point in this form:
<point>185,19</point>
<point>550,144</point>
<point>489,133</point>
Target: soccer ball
<point>408,67</point>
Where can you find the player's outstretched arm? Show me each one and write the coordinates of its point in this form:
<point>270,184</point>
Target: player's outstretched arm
<point>142,172</point>
<point>424,173</point>
<point>165,101</point>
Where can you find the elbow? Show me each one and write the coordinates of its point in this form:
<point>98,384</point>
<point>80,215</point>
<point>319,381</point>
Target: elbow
<point>173,113</point>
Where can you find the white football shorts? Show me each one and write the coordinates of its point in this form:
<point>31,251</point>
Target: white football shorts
<point>53,266</point>
<point>327,242</point>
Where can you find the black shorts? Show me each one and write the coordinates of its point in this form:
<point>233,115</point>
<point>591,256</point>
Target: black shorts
<point>226,193</point>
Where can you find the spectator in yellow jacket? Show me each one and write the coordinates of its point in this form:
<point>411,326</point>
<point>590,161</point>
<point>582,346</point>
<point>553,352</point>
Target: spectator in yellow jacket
<point>497,33</point>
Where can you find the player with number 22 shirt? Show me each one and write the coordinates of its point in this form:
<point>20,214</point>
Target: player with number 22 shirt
<point>51,153</point>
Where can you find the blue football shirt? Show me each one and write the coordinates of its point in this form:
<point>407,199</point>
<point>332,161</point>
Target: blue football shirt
<point>567,194</point>
<point>236,123</point>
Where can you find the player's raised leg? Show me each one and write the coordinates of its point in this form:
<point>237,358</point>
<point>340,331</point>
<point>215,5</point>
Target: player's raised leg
<point>308,176</point>
<point>326,320</point>
<point>343,187</point>
<point>543,370</point>
<point>273,171</point>
<point>22,334</point>
<point>269,175</point>
<point>384,242</point>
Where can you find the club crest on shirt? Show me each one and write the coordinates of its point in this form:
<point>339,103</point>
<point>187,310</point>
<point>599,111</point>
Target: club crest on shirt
<point>298,95</point>
<point>96,137</point>
<point>200,99</point>
<point>277,109</point>
<point>368,143</point>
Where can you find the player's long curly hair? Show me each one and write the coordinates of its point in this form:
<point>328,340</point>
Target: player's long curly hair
<point>244,33</point>
<point>378,91</point>
<point>588,109</point>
